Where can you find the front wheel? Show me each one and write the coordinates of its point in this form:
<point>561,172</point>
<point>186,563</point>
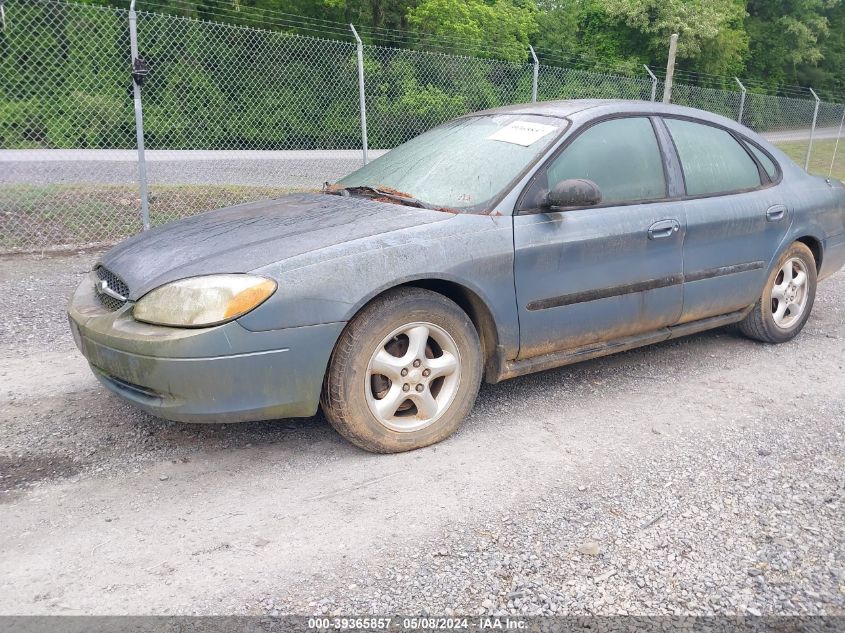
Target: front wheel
<point>787,298</point>
<point>404,373</point>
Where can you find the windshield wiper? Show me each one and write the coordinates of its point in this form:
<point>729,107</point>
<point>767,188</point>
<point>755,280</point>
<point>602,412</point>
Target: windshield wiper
<point>365,190</point>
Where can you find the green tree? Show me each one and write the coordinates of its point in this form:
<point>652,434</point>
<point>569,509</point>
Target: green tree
<point>584,29</point>
<point>712,36</point>
<point>828,73</point>
<point>503,25</point>
<point>786,37</point>
<point>629,33</point>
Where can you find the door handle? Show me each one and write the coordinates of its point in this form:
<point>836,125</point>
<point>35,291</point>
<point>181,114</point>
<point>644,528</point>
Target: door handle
<point>776,213</point>
<point>663,229</point>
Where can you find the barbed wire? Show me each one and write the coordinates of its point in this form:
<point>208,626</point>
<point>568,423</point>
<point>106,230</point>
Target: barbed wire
<point>384,35</point>
<point>275,19</point>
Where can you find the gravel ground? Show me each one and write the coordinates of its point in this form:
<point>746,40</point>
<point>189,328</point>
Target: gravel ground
<point>749,522</point>
<point>703,475</point>
<point>34,295</point>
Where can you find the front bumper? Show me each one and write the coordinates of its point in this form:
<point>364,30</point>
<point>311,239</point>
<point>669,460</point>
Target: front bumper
<point>219,374</point>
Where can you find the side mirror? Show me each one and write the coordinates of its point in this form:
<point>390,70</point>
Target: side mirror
<point>575,192</point>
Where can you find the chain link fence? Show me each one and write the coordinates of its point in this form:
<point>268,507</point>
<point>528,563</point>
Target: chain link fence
<point>554,82</point>
<point>64,84</point>
<point>408,92</point>
<point>234,113</point>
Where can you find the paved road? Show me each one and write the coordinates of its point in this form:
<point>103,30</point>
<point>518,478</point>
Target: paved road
<point>248,168</point>
<point>307,168</point>
<point>801,135</point>
<point>703,475</point>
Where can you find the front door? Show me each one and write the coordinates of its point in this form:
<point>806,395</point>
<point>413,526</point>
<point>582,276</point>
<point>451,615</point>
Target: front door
<point>604,272</point>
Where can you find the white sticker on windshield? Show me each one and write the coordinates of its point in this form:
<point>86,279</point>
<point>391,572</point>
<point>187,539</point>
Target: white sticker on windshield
<point>522,133</point>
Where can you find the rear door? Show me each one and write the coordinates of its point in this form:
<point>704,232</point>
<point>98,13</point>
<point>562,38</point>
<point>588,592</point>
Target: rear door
<point>604,272</point>
<point>736,217</point>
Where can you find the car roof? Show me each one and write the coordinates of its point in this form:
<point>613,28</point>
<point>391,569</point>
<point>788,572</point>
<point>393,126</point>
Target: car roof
<point>600,107</point>
<point>561,108</point>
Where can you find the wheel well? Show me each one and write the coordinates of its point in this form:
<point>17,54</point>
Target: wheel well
<point>815,246</point>
<point>472,304</point>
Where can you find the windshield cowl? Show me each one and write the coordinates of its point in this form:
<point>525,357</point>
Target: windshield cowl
<point>381,193</point>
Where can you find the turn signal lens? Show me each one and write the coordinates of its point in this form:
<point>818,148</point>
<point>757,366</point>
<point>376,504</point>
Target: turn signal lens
<point>250,298</point>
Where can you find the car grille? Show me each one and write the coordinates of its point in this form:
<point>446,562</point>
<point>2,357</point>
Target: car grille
<point>115,284</point>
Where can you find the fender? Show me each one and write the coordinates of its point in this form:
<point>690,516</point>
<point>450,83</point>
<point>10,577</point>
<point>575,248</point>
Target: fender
<point>333,285</point>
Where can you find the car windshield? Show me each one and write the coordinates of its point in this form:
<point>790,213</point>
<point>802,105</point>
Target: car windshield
<point>461,165</point>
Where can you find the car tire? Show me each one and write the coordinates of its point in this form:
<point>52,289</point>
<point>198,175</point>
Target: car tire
<point>785,303</point>
<point>405,372</point>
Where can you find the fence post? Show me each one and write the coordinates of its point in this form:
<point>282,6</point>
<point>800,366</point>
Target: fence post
<point>741,100</point>
<point>670,68</point>
<point>139,118</point>
<point>536,74</point>
<point>361,98</point>
<point>836,145</point>
<point>812,129</point>
<point>653,82</point>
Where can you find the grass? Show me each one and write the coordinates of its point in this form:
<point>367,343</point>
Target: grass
<point>37,217</point>
<point>820,158</point>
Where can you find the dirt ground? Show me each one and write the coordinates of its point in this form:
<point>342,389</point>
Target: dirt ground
<point>703,475</point>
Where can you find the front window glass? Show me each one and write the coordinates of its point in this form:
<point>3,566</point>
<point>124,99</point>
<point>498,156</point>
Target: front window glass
<point>463,164</point>
<point>712,160</point>
<point>621,156</point>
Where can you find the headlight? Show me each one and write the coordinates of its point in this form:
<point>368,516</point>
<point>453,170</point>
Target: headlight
<point>203,301</point>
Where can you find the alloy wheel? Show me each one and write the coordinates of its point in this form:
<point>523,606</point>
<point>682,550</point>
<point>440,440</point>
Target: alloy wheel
<point>412,376</point>
<point>790,293</point>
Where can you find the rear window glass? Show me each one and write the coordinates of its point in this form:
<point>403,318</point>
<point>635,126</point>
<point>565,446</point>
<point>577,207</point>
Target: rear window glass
<point>712,160</point>
<point>765,161</point>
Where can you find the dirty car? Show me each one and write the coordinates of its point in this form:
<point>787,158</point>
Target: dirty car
<point>498,244</point>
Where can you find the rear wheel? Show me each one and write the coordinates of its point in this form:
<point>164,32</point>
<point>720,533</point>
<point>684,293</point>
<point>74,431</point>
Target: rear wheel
<point>404,373</point>
<point>787,299</point>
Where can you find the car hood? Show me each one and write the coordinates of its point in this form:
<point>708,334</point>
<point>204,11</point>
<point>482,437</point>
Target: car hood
<point>245,237</point>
